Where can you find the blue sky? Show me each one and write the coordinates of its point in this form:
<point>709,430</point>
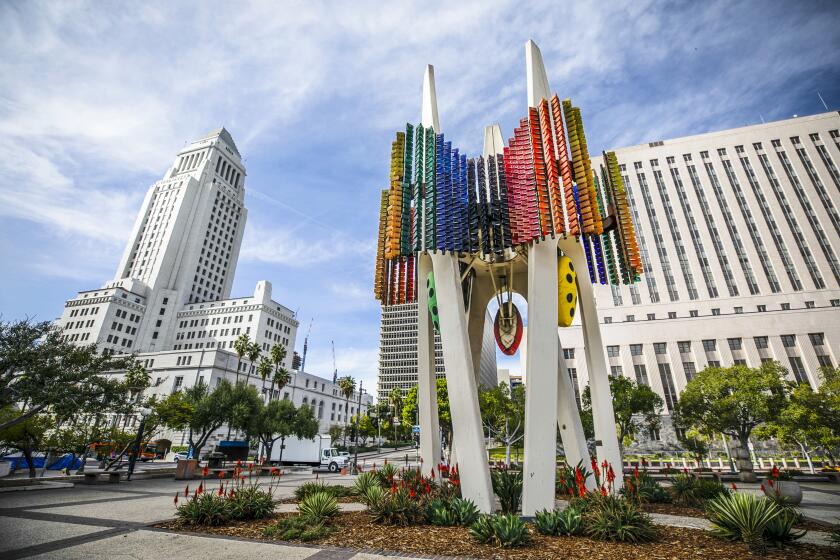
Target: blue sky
<point>96,99</point>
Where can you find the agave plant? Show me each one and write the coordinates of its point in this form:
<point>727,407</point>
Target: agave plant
<point>465,511</point>
<point>482,529</point>
<point>373,496</point>
<point>507,485</point>
<point>780,531</point>
<point>510,531</point>
<point>365,481</point>
<point>613,518</point>
<point>318,507</point>
<point>744,517</point>
<point>547,521</point>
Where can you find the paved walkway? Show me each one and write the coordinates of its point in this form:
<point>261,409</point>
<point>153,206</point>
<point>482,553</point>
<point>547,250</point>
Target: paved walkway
<point>114,521</point>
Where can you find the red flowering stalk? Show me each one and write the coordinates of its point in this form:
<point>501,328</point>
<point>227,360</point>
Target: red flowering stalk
<point>581,482</point>
<point>238,463</point>
<point>603,490</point>
<point>221,475</point>
<point>733,486</point>
<point>770,482</point>
<point>221,492</point>
<point>201,488</point>
<point>774,472</point>
<point>205,471</point>
<point>685,470</point>
<point>428,488</point>
<point>176,498</point>
<point>636,472</point>
<point>393,488</point>
<point>411,493</point>
<point>433,474</point>
<point>610,476</point>
<point>186,490</point>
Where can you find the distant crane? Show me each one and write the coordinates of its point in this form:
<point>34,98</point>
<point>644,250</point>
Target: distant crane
<point>306,346</point>
<point>335,368</point>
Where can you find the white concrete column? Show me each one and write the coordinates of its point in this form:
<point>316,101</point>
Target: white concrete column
<point>541,393</point>
<point>426,380</point>
<point>463,394</point>
<point>568,418</point>
<point>599,382</point>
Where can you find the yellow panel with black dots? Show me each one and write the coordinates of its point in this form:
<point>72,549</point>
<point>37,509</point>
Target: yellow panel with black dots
<point>566,292</point>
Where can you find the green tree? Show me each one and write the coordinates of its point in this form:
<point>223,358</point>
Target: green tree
<point>410,408</point>
<point>281,375</point>
<point>335,431</point>
<point>264,370</point>
<point>367,429</point>
<point>734,401</point>
<point>26,435</point>
<point>636,407</point>
<point>347,385</point>
<point>503,414</point>
<point>280,419</point>
<point>47,374</point>
<point>808,418</point>
<point>241,346</point>
<point>201,412</point>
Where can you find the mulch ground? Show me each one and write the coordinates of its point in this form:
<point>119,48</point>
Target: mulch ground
<point>355,530</point>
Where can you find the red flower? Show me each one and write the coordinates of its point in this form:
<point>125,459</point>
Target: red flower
<point>603,490</point>
<point>238,462</point>
<point>636,472</point>
<point>770,482</point>
<point>433,474</point>
<point>393,488</point>
<point>763,489</point>
<point>733,486</point>
<point>221,474</point>
<point>186,490</point>
<point>176,498</point>
<point>774,473</point>
<point>610,474</point>
<point>411,493</point>
<point>205,471</point>
<point>200,488</point>
<point>221,491</point>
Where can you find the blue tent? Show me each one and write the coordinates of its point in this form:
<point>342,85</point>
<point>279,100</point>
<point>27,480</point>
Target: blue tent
<point>65,461</point>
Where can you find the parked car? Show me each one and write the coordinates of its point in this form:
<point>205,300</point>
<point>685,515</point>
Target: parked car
<point>180,455</point>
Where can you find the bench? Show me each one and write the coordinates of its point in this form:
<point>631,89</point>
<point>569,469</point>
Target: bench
<point>113,477</point>
<point>833,476</point>
<point>91,478</point>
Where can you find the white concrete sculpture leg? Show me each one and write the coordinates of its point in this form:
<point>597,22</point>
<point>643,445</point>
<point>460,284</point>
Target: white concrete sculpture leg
<point>599,381</point>
<point>426,379</point>
<point>539,469</point>
<point>568,419</point>
<point>463,395</point>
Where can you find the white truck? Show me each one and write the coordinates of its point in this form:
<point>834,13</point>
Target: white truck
<point>317,452</point>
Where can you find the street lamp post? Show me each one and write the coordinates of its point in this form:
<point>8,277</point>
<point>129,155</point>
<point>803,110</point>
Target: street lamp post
<point>135,449</point>
<point>358,414</point>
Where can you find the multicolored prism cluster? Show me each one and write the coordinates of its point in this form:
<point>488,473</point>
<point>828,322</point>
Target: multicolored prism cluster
<point>542,185</point>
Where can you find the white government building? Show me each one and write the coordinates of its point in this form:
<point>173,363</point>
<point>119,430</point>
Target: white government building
<point>170,303</point>
<point>739,236</point>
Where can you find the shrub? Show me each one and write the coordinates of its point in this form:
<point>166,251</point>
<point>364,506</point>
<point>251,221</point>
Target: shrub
<point>482,529</point>
<point>206,509</point>
<point>780,531</point>
<point>387,474</point>
<point>318,507</point>
<point>613,518</point>
<point>250,503</point>
<point>567,482</point>
<point>365,481</point>
<point>465,511</point>
<point>692,491</point>
<point>396,508</point>
<point>451,511</point>
<point>297,528</point>
<point>742,517</point>
<point>507,485</point>
<point>309,488</point>
<point>567,522</point>
<point>642,488</point>
<point>504,530</point>
<point>373,495</point>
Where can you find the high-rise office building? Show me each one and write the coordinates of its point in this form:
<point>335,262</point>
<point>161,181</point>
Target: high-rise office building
<point>172,287</point>
<point>739,235</point>
<point>398,351</point>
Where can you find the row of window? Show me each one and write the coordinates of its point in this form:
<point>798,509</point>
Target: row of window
<point>737,310</point>
<point>709,345</point>
<point>114,339</point>
<point>740,251</point>
<point>84,311</point>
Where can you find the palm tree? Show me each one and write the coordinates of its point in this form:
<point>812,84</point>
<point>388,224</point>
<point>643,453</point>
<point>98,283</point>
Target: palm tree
<point>281,375</point>
<point>252,353</point>
<point>395,397</point>
<point>347,385</point>
<point>241,345</point>
<point>264,370</point>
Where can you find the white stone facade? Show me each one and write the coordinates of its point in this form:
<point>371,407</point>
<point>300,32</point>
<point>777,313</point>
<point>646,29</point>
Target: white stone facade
<point>739,236</point>
<point>175,370</point>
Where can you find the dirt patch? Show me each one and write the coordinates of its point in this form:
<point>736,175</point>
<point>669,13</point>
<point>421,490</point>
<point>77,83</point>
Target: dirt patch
<point>355,530</point>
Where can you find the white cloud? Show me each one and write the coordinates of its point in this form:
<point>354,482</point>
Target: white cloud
<point>295,247</point>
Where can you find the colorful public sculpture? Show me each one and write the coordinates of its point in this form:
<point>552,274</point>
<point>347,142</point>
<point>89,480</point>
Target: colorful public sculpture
<point>523,217</point>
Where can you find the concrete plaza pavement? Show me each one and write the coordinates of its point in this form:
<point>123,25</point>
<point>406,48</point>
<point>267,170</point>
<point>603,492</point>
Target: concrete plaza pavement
<point>111,521</point>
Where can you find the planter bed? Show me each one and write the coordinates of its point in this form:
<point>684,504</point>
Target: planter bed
<point>356,531</point>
